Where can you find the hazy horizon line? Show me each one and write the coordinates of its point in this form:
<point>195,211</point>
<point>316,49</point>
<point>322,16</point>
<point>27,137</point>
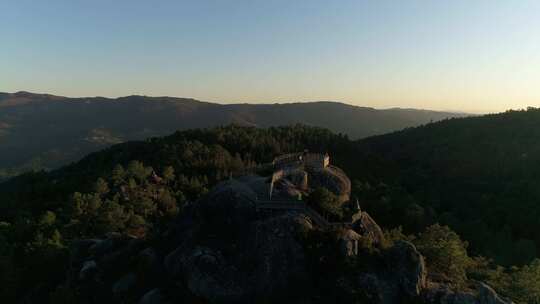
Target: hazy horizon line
<point>262,102</point>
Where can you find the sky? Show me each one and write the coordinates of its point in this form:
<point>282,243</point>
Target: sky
<point>472,56</point>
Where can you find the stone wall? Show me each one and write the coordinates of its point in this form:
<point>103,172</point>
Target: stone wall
<point>316,160</point>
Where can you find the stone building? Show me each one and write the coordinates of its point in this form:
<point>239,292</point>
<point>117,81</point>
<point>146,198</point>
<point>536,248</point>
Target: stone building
<point>316,160</point>
<point>296,173</point>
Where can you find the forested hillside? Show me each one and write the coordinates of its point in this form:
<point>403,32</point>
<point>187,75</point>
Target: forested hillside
<point>39,131</point>
<point>116,190</point>
<point>477,175</point>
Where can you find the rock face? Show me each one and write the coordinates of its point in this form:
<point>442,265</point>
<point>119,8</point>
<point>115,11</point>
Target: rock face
<point>232,258</point>
<point>366,226</point>
<point>268,265</point>
<point>377,290</point>
<point>402,278</point>
<point>437,293</point>
<point>486,295</point>
<point>409,267</point>
<point>207,273</point>
<point>333,179</point>
<point>154,296</point>
<point>348,242</point>
<point>222,251</point>
<point>284,189</point>
<point>279,256</point>
<point>443,294</point>
<point>125,283</point>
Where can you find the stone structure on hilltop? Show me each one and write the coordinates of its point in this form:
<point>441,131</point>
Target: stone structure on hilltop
<point>296,173</point>
<point>311,160</point>
<point>316,160</point>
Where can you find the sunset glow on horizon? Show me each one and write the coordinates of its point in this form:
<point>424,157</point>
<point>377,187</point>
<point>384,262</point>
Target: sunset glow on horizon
<point>478,57</point>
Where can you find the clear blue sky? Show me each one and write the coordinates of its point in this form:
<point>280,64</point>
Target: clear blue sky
<point>458,55</point>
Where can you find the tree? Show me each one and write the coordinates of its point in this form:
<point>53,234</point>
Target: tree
<point>325,202</point>
<point>168,174</point>
<point>47,219</point>
<point>167,204</point>
<point>445,253</point>
<point>525,286</point>
<point>138,171</point>
<point>118,175</point>
<point>112,218</point>
<point>101,187</point>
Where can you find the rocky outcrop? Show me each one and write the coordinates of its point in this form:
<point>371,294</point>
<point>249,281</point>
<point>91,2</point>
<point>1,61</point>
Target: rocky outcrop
<point>483,294</point>
<point>154,296</point>
<point>87,270</point>
<point>377,290</point>
<point>124,284</point>
<point>349,242</point>
<point>486,295</point>
<point>333,179</point>
<point>207,274</point>
<point>285,189</point>
<point>436,294</point>
<point>409,268</point>
<point>402,278</point>
<point>222,251</point>
<point>234,255</point>
<point>279,255</point>
<point>367,227</point>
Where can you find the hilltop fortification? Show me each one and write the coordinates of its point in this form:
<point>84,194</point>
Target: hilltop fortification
<point>296,174</point>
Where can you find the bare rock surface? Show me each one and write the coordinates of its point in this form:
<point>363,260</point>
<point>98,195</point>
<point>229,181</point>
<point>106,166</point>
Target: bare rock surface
<point>440,293</point>
<point>367,227</point>
<point>409,266</point>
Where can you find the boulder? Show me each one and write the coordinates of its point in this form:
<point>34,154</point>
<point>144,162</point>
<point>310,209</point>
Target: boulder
<point>348,241</point>
<point>486,295</point>
<point>149,261</point>
<point>210,276</point>
<point>333,179</point>
<point>408,267</point>
<point>87,270</point>
<point>229,205</point>
<point>270,262</point>
<point>442,294</point>
<point>367,227</point>
<point>104,246</point>
<point>402,280</point>
<point>376,290</point>
<point>285,190</point>
<point>436,293</point>
<point>173,263</point>
<point>278,256</point>
<point>124,284</point>
<point>154,296</point>
<point>79,249</point>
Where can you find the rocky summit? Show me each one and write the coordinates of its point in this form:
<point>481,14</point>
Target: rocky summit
<point>236,245</point>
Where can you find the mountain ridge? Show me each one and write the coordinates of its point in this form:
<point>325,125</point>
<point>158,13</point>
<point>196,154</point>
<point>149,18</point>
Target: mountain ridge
<point>174,98</point>
<point>43,131</point>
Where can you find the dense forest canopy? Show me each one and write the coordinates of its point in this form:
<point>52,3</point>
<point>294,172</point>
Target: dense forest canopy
<point>476,175</point>
<point>480,175</point>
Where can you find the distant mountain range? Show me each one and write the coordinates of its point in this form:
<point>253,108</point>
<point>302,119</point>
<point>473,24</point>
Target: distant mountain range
<point>46,131</point>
